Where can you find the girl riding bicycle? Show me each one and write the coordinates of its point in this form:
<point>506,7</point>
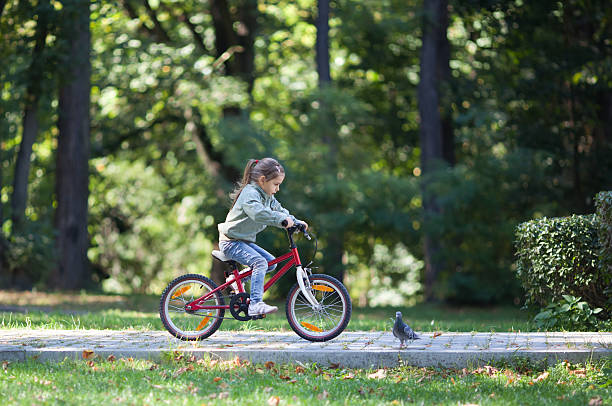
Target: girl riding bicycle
<point>254,209</point>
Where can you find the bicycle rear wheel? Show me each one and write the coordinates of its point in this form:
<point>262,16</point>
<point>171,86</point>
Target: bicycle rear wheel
<point>196,325</point>
<point>325,322</point>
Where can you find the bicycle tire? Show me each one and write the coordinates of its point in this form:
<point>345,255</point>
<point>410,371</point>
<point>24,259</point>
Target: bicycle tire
<point>327,323</point>
<point>190,326</point>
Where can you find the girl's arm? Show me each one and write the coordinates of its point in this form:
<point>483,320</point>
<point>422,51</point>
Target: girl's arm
<point>261,214</point>
<point>276,206</point>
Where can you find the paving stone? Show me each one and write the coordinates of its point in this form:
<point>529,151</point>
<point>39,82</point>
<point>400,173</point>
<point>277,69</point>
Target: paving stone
<point>351,349</point>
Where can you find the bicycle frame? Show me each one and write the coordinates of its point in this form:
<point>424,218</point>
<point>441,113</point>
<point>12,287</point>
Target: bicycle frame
<point>294,259</point>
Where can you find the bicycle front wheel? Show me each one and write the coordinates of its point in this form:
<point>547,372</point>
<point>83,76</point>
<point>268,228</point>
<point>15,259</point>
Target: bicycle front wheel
<point>326,321</point>
<point>190,325</point>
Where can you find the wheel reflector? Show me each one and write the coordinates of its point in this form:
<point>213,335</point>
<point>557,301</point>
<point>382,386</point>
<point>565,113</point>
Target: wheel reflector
<point>311,327</point>
<point>203,322</point>
<point>181,291</point>
<point>322,288</point>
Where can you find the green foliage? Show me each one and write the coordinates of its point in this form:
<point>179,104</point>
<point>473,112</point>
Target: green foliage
<point>560,256</point>
<point>142,236</point>
<point>31,255</point>
<point>475,255</point>
<point>603,204</point>
<point>570,314</point>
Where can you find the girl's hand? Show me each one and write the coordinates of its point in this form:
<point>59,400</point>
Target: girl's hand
<point>289,222</point>
<point>305,225</point>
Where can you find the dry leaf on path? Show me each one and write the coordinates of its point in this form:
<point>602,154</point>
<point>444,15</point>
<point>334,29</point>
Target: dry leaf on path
<point>88,354</point>
<point>437,334</point>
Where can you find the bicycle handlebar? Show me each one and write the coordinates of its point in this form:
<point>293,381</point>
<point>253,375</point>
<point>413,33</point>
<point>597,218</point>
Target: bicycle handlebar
<point>297,227</point>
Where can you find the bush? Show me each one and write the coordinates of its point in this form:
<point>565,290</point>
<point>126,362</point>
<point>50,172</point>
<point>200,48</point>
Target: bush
<point>603,205</point>
<point>560,256</point>
<point>569,314</point>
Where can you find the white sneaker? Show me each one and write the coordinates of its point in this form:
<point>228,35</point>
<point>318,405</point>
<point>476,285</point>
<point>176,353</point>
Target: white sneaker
<point>257,309</point>
<point>234,285</point>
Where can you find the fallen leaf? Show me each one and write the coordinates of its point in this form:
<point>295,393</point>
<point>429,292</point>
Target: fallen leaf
<point>88,354</point>
<point>284,377</point>
<point>380,374</point>
<point>541,377</point>
<point>334,365</point>
<point>437,334</point>
<point>269,364</point>
<point>5,365</point>
<point>597,401</point>
<point>273,401</point>
<point>350,375</point>
<point>580,373</point>
<point>299,370</point>
<point>111,358</point>
<point>216,379</point>
<point>452,380</point>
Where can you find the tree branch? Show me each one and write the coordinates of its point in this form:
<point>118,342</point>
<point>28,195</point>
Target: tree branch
<point>159,31</point>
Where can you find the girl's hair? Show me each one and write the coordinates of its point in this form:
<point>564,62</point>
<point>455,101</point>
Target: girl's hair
<point>255,168</point>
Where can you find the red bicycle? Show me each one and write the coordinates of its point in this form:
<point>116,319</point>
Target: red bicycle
<point>318,306</point>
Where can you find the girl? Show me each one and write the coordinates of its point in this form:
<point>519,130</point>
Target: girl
<point>253,209</point>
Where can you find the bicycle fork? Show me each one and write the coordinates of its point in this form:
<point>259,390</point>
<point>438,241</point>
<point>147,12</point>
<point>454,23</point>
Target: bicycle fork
<point>305,288</point>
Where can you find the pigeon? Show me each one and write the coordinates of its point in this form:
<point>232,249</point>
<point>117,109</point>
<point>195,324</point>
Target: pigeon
<point>403,331</point>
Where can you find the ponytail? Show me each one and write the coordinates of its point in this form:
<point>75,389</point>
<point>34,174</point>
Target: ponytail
<point>254,169</point>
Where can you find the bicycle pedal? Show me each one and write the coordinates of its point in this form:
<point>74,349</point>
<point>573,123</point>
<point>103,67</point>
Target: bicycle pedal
<point>261,316</point>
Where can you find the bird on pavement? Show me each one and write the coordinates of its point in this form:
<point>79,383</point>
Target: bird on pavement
<point>403,331</point>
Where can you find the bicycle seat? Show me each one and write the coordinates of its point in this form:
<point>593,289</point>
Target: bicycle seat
<point>219,255</point>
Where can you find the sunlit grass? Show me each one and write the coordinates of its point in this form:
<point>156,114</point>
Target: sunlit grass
<point>119,312</point>
<point>188,381</point>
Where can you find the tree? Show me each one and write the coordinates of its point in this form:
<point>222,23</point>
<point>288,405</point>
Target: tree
<point>72,174</point>
<point>35,77</point>
<point>322,44</point>
<point>431,135</point>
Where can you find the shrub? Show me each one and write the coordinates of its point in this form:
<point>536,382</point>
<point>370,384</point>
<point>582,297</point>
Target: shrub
<point>569,314</point>
<point>603,205</point>
<point>560,256</point>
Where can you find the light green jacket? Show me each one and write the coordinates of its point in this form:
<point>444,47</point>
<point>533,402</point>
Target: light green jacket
<point>253,211</point>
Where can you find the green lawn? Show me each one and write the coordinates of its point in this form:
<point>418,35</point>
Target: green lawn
<point>118,312</point>
<point>190,382</point>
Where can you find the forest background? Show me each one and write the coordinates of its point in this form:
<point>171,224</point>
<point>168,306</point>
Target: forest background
<point>415,135</point>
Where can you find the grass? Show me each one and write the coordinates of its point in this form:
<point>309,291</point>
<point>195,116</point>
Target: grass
<point>140,312</point>
<point>178,380</point>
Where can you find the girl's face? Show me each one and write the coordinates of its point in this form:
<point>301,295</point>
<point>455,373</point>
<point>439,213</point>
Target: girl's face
<point>271,186</point>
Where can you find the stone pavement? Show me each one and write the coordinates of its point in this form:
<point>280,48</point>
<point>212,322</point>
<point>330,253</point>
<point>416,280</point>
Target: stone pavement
<point>350,349</point>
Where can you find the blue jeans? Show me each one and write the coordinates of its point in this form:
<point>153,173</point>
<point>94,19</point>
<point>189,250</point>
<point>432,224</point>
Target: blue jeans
<point>252,255</point>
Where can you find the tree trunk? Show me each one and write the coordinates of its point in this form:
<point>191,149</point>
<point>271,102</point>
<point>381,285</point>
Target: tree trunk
<point>430,132</point>
<point>334,251</point>
<point>322,43</point>
<point>19,198</point>
<point>72,182</point>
